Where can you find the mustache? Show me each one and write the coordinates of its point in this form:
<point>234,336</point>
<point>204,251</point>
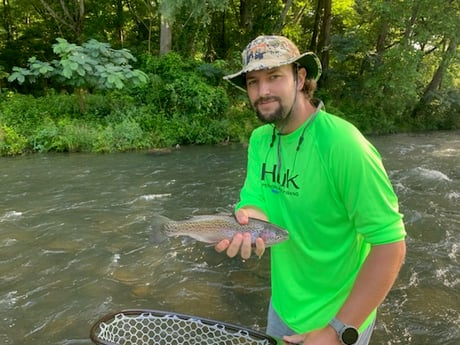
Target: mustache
<point>266,99</point>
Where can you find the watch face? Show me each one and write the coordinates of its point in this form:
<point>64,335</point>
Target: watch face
<point>350,336</point>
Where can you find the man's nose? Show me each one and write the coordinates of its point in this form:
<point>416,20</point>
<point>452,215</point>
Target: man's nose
<point>264,88</point>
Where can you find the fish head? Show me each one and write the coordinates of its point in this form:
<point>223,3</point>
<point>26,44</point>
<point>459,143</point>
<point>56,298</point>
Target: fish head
<point>273,236</point>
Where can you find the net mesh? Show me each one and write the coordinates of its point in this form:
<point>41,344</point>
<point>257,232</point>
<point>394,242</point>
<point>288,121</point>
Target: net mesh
<point>159,328</point>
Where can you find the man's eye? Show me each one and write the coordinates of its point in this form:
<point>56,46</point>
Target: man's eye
<point>251,82</point>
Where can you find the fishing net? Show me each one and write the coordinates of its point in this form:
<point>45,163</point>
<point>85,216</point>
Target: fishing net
<point>149,327</point>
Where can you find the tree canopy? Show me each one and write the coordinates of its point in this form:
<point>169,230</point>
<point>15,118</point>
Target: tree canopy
<point>385,62</point>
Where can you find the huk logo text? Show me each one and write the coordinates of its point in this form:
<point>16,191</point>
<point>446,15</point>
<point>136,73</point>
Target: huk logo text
<point>274,176</point>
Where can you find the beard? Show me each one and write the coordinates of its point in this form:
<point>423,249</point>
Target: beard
<point>275,116</point>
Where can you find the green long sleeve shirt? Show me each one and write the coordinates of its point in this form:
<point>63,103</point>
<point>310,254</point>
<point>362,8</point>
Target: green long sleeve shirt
<point>326,184</point>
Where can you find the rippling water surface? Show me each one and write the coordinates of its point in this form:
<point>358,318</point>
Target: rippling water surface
<point>74,241</point>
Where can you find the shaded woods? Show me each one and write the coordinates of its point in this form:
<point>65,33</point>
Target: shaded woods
<point>389,66</point>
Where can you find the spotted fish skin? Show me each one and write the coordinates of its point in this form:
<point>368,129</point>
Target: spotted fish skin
<point>214,228</point>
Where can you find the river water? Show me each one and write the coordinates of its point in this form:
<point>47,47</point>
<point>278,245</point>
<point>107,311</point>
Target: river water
<point>74,241</point>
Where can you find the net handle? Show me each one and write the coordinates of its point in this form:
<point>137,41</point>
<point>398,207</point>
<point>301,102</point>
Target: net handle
<point>134,312</point>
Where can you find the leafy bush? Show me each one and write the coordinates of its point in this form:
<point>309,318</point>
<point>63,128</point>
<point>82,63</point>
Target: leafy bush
<point>65,135</point>
<point>91,65</point>
<point>441,111</point>
<point>124,136</point>
<point>184,102</point>
<point>72,135</point>
<point>11,143</point>
<point>25,113</point>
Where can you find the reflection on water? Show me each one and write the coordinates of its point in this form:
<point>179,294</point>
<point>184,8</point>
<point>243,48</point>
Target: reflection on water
<point>74,239</point>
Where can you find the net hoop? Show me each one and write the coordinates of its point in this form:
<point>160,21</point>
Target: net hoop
<point>145,326</point>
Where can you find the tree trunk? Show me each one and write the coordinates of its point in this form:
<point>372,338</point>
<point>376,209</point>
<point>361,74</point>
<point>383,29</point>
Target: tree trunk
<point>245,15</point>
<point>217,44</point>
<point>165,37</point>
<point>411,23</point>
<point>436,80</point>
<point>7,20</point>
<point>381,38</point>
<point>144,18</point>
<point>316,26</point>
<point>282,19</point>
<point>74,22</point>
<point>119,22</point>
<point>325,40</point>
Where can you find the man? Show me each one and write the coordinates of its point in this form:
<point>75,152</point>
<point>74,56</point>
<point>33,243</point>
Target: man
<point>317,176</point>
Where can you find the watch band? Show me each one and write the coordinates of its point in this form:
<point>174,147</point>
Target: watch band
<point>337,325</point>
<point>347,334</point>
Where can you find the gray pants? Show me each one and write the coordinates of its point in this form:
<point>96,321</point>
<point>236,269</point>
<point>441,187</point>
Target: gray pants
<point>277,328</point>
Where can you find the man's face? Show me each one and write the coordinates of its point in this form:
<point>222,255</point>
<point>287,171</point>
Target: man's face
<point>271,92</point>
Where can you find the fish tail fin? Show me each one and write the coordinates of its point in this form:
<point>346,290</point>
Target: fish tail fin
<point>157,234</point>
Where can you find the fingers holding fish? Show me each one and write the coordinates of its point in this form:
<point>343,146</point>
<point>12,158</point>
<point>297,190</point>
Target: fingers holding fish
<point>241,243</point>
<point>235,246</point>
<point>246,246</point>
<point>260,247</point>
<point>242,216</point>
<point>232,246</point>
<point>222,245</point>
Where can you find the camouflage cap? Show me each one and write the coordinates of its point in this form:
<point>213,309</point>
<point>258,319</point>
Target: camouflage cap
<point>267,52</point>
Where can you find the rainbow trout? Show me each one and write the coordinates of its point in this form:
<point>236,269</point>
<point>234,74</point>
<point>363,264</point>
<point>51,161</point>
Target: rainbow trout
<point>214,228</point>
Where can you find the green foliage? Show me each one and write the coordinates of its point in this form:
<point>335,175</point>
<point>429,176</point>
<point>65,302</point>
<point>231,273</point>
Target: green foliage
<point>169,66</point>
<point>24,112</point>
<point>441,112</point>
<point>64,135</point>
<point>197,8</point>
<point>54,123</point>
<point>190,96</point>
<point>184,93</point>
<point>124,136</point>
<point>183,103</point>
<point>385,94</point>
<point>72,135</point>
<point>382,57</point>
<point>91,65</point>
<point>11,143</point>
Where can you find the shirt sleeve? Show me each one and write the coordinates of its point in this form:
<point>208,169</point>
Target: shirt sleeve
<point>251,193</point>
<point>366,190</point>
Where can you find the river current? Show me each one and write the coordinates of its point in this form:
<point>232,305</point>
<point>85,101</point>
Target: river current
<point>75,228</point>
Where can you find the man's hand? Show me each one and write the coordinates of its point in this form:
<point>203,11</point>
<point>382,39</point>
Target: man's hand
<point>241,242</point>
<point>324,336</point>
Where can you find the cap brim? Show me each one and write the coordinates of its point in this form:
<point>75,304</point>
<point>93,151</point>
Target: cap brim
<point>237,79</point>
<point>308,60</point>
<point>312,64</point>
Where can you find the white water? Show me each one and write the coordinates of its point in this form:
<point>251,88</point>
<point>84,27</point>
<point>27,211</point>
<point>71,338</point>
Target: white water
<point>74,246</point>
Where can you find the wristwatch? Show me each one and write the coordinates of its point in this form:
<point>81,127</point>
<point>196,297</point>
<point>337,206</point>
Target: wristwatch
<point>348,335</point>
